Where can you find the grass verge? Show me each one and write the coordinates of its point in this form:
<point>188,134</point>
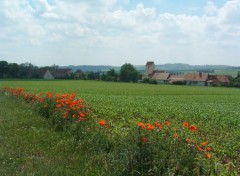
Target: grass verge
<point>28,146</point>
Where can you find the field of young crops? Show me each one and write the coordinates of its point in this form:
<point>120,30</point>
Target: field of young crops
<point>214,111</point>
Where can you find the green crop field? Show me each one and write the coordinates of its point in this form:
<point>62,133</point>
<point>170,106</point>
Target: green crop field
<point>214,110</point>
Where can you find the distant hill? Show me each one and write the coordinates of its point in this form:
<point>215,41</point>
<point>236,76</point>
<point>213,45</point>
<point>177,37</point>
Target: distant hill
<point>91,67</point>
<point>165,67</point>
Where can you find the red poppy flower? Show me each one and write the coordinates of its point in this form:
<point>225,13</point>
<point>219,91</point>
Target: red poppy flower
<point>158,125</point>
<point>65,115</point>
<point>81,119</point>
<point>185,124</point>
<point>81,114</point>
<point>198,148</point>
<point>204,143</point>
<point>167,123</point>
<point>207,148</point>
<point>102,122</point>
<point>192,128</point>
<point>143,140</point>
<point>141,124</point>
<point>208,155</point>
<point>150,127</point>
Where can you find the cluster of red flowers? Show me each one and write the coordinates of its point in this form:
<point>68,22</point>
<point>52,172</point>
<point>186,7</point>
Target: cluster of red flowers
<point>16,92</point>
<point>72,107</point>
<point>151,127</point>
<point>66,104</point>
<point>192,128</point>
<point>75,110</point>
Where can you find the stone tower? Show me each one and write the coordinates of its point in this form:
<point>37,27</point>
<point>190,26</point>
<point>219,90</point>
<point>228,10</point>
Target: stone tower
<point>149,69</point>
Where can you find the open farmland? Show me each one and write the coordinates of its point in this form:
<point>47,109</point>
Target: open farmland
<point>215,111</point>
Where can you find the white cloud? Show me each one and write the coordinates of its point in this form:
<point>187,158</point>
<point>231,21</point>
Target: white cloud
<point>211,8</point>
<point>230,12</point>
<point>97,32</point>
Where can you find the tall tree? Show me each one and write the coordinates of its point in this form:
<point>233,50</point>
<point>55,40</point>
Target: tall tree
<point>111,75</point>
<point>3,69</point>
<point>14,70</point>
<point>128,73</point>
<point>26,70</point>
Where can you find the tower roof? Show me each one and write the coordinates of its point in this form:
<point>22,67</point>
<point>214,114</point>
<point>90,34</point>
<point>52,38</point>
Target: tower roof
<point>150,63</point>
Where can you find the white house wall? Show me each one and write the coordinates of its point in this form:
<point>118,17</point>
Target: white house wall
<point>48,75</point>
<point>198,83</point>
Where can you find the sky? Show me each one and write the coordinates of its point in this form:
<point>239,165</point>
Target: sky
<point>114,32</point>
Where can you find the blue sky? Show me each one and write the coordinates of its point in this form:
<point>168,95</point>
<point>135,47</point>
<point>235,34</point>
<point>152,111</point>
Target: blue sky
<point>114,32</point>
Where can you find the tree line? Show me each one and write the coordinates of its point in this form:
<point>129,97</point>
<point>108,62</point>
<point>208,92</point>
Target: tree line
<point>127,73</point>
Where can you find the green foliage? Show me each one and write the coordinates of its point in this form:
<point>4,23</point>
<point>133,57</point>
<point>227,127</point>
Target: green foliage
<point>123,105</point>
<point>4,67</point>
<point>179,83</point>
<point>13,70</point>
<point>153,81</point>
<point>128,73</point>
<point>111,75</point>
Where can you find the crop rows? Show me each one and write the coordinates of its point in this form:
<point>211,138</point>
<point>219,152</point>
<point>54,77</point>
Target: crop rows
<point>214,111</point>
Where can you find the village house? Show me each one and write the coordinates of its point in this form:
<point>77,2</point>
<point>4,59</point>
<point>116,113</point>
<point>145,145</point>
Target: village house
<point>194,79</point>
<point>176,78</point>
<point>160,77</point>
<point>48,75</point>
<point>217,80</point>
<point>151,73</point>
<point>197,79</point>
<point>57,74</point>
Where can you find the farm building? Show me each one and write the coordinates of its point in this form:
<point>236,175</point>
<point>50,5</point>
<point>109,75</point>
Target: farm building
<point>48,75</point>
<point>151,73</point>
<point>57,74</point>
<point>197,79</point>
<point>160,77</point>
<point>218,80</point>
<point>176,78</point>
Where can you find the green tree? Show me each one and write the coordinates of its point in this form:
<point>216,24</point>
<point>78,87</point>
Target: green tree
<point>128,73</point>
<point>111,75</point>
<point>26,70</point>
<point>13,70</point>
<point>91,75</point>
<point>3,69</point>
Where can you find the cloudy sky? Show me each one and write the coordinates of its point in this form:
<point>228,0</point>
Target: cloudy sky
<point>114,32</point>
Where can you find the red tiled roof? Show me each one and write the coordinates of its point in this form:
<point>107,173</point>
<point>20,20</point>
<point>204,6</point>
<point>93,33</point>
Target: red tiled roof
<point>160,76</point>
<point>222,78</point>
<point>174,78</point>
<point>200,77</point>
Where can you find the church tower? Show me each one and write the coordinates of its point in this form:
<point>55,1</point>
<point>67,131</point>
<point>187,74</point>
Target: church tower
<point>149,69</point>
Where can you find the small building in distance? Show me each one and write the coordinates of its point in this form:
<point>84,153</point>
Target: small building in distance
<point>217,80</point>
<point>194,79</point>
<point>160,77</point>
<point>48,75</point>
<point>57,74</point>
<point>197,79</point>
<point>177,79</point>
<point>149,69</point>
<point>152,74</point>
